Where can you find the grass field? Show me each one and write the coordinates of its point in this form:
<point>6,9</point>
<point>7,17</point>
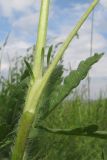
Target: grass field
<point>70,114</point>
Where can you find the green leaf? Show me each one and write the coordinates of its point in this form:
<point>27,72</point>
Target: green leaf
<point>5,144</point>
<point>89,131</point>
<point>49,54</point>
<point>29,69</point>
<point>91,128</point>
<point>43,52</point>
<point>70,82</point>
<point>77,35</point>
<point>102,155</point>
<point>78,131</point>
<point>25,75</point>
<point>53,83</point>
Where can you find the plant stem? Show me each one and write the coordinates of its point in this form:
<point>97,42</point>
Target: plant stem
<point>23,131</point>
<point>36,89</point>
<point>63,48</point>
<point>28,117</point>
<point>70,38</point>
<point>41,38</point>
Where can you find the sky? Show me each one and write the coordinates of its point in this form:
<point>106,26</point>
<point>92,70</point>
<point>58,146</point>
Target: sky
<point>20,21</point>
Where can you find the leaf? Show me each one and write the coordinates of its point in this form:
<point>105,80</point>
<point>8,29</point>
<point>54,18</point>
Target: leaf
<point>102,155</point>
<point>42,58</point>
<point>70,82</point>
<point>53,83</point>
<point>77,131</point>
<point>49,54</point>
<point>89,131</point>
<point>91,128</point>
<point>42,53</point>
<point>5,144</point>
<point>29,69</point>
<point>25,75</point>
<point>6,40</point>
<point>77,35</point>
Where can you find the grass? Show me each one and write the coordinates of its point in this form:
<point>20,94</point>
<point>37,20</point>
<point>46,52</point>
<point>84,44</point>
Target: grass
<point>11,90</point>
<point>70,114</point>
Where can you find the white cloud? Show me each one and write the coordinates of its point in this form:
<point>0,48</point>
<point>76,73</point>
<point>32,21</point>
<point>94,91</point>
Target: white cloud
<point>100,69</point>
<point>4,66</point>
<point>8,7</point>
<point>80,48</point>
<point>27,23</point>
<point>104,3</point>
<point>15,48</point>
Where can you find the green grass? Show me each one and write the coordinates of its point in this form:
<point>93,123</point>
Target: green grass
<point>12,98</point>
<point>70,114</point>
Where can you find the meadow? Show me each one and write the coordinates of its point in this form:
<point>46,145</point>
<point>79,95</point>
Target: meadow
<point>73,112</point>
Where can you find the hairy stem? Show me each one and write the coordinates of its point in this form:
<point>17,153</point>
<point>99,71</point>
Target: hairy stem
<point>28,117</point>
<point>36,89</point>
<point>23,131</point>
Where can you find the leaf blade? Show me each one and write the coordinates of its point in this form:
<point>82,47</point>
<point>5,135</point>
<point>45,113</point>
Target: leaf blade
<point>29,69</point>
<point>49,54</point>
<point>71,82</point>
<point>82,131</point>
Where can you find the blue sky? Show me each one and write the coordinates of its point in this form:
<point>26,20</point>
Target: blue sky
<point>21,20</point>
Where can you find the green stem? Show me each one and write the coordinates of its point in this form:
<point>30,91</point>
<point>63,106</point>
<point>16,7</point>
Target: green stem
<point>36,89</point>
<point>23,132</point>
<point>27,117</point>
<point>41,38</point>
<point>69,39</point>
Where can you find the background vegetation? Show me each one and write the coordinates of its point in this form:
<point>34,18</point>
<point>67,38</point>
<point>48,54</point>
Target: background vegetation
<point>73,112</point>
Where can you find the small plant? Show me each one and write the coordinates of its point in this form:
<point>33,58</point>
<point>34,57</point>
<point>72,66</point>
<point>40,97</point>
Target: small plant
<point>39,84</point>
